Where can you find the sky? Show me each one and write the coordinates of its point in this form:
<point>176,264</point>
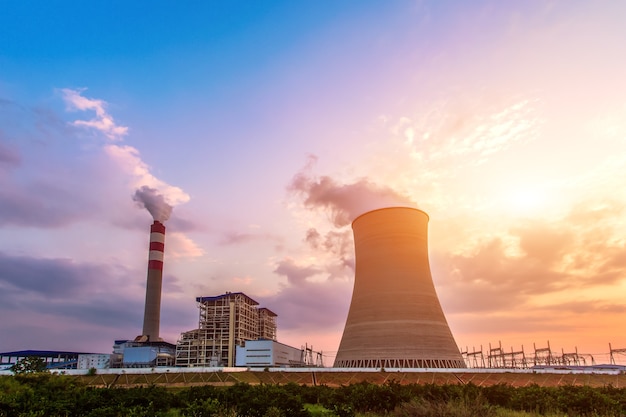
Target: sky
<point>269,126</point>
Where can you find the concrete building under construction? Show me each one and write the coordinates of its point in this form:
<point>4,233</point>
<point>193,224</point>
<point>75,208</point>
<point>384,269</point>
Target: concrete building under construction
<point>395,318</point>
<point>225,321</point>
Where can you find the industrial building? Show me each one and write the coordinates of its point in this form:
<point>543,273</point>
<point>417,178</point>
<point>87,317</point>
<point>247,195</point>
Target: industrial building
<point>266,353</point>
<point>57,360</point>
<point>395,319</point>
<point>133,354</point>
<point>225,321</point>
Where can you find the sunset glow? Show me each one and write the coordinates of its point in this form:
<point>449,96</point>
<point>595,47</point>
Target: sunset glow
<point>269,126</point>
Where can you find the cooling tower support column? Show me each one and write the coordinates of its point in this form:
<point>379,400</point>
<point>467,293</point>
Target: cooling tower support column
<point>152,313</point>
<point>395,318</point>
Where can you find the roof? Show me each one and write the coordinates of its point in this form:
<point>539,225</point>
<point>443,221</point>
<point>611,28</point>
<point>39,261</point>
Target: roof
<point>45,353</point>
<point>269,312</point>
<point>227,295</point>
<point>391,208</point>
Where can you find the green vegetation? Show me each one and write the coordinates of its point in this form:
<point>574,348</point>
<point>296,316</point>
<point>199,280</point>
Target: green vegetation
<point>43,394</point>
<point>29,365</point>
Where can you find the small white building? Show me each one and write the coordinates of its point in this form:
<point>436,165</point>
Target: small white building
<point>268,353</point>
<point>93,360</point>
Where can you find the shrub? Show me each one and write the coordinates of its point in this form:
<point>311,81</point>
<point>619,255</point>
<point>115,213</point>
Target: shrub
<point>477,407</point>
<point>29,365</point>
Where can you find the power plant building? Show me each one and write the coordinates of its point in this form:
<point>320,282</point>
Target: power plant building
<point>395,318</point>
<point>133,354</point>
<point>57,360</point>
<point>266,353</point>
<point>225,321</point>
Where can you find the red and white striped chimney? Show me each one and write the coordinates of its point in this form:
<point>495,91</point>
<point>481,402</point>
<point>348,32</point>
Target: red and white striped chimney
<point>152,313</point>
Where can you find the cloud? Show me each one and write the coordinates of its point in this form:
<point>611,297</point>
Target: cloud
<point>239,238</point>
<point>525,326</point>
<point>319,277</point>
<point>129,159</point>
<point>180,245</point>
<point>296,274</point>
<point>52,298</point>
<point>41,204</point>
<point>126,156</point>
<point>55,278</point>
<point>63,287</point>
<point>309,305</point>
<point>38,188</point>
<point>313,238</point>
<point>182,223</point>
<point>53,181</point>
<point>489,279</point>
<point>543,242</point>
<point>436,142</point>
<point>542,261</point>
<point>172,285</point>
<point>103,121</point>
<point>105,311</point>
<point>34,330</point>
<point>62,276</point>
<point>344,202</point>
<point>50,180</point>
<point>587,307</point>
<point>460,128</point>
<point>338,244</point>
<point>9,156</point>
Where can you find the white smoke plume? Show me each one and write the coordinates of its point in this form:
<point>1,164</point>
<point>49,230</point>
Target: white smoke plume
<point>345,202</point>
<point>103,121</point>
<point>154,202</point>
<point>159,203</point>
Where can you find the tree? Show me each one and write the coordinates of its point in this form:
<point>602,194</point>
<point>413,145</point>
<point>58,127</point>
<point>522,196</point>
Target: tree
<point>29,365</point>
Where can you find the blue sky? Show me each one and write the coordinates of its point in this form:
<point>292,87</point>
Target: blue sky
<point>270,125</point>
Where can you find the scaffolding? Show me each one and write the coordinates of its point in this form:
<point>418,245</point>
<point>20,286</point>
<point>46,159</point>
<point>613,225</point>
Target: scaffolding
<point>267,324</point>
<point>225,321</point>
<point>198,348</point>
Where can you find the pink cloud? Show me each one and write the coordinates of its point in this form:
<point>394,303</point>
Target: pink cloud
<point>344,202</point>
<point>310,306</point>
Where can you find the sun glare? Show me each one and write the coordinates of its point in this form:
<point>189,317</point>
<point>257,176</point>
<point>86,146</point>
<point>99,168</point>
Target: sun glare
<point>526,200</point>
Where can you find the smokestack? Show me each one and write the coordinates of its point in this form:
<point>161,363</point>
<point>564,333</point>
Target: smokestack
<point>395,318</point>
<point>152,313</point>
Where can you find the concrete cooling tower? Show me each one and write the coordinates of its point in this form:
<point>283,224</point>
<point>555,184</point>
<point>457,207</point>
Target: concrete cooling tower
<point>152,312</point>
<point>395,318</point>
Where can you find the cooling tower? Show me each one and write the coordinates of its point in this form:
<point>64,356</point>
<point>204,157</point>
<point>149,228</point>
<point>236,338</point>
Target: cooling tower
<point>395,318</point>
<point>152,313</point>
